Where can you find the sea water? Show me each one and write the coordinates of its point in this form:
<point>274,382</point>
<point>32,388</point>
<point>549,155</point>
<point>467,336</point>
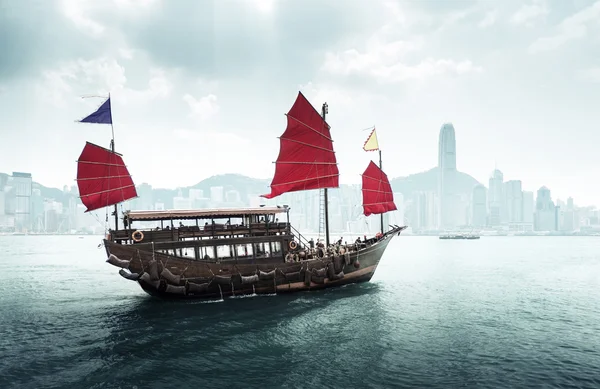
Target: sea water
<point>497,312</point>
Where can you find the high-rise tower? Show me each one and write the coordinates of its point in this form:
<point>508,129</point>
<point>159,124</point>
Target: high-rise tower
<point>447,177</point>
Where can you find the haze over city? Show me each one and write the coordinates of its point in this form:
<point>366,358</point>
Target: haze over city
<point>189,93</point>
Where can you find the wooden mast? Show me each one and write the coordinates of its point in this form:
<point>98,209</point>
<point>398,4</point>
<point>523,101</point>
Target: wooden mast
<point>324,112</point>
<point>381,167</point>
<point>112,148</point>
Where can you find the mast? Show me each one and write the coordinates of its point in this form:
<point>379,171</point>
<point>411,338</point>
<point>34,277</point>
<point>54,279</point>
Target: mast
<point>381,167</point>
<point>112,148</point>
<point>324,112</point>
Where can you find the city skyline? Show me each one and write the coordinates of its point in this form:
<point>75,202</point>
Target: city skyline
<point>405,67</point>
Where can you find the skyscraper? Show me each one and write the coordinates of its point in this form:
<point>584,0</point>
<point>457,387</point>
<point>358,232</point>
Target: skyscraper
<point>478,206</point>
<point>545,211</point>
<point>447,198</point>
<point>496,199</point>
<point>22,183</point>
<point>514,201</point>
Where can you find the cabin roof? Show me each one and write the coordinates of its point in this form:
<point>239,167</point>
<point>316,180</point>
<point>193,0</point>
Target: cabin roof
<point>181,214</point>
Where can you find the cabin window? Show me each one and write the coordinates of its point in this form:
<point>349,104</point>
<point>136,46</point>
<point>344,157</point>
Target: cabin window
<point>262,250</point>
<point>244,250</point>
<point>188,253</point>
<point>206,253</point>
<point>225,252</point>
<point>276,247</point>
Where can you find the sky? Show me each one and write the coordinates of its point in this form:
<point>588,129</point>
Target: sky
<point>201,87</point>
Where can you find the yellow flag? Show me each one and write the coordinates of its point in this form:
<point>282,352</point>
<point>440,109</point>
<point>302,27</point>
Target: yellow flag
<point>371,143</point>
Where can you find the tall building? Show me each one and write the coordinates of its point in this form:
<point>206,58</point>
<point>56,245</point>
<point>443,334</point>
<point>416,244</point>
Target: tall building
<point>513,199</point>
<point>22,183</point>
<point>479,206</point>
<point>545,211</point>
<point>425,214</point>
<point>496,199</point>
<point>447,198</point>
<point>216,194</point>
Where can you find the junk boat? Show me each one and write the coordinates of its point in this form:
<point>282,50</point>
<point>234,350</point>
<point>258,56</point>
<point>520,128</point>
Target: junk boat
<point>238,251</point>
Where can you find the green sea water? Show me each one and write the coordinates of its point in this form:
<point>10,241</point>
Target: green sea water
<point>499,312</point>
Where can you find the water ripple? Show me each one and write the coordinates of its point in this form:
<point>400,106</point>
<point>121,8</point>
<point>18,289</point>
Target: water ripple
<point>485,314</point>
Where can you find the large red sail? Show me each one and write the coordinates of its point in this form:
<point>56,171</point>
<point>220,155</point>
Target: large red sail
<point>306,158</point>
<point>377,191</point>
<point>103,178</point>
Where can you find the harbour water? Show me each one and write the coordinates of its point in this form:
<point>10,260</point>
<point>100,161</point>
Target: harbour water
<point>497,312</point>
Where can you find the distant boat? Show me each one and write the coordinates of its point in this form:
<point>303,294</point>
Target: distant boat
<point>460,236</point>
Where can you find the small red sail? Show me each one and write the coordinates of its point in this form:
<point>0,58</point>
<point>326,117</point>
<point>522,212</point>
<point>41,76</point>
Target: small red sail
<point>306,158</point>
<point>377,191</point>
<point>103,178</point>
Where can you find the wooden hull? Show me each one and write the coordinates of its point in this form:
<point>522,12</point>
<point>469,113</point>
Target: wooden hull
<point>192,279</point>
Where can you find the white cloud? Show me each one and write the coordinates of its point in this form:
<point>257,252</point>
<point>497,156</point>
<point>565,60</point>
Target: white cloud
<point>264,6</point>
<point>574,27</point>
<point>528,14</point>
<point>203,108</point>
<point>101,75</point>
<point>133,4</point>
<point>384,55</point>
<point>76,11</point>
<point>387,68</point>
<point>126,53</point>
<point>320,93</point>
<point>489,19</point>
<point>591,74</point>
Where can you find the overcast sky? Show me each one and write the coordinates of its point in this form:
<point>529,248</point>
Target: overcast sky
<point>201,87</point>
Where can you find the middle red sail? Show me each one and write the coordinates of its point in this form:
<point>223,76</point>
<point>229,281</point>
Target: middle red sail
<point>306,158</point>
<point>377,191</point>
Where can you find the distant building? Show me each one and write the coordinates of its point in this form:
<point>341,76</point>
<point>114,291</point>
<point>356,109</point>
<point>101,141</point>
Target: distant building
<point>216,194</point>
<point>546,218</point>
<point>479,206</point>
<point>513,198</point>
<point>425,213</point>
<point>182,203</point>
<point>22,185</point>
<point>447,199</point>
<point>495,199</point>
<point>196,194</point>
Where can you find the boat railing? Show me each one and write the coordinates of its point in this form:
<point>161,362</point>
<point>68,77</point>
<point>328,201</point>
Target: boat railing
<point>301,239</point>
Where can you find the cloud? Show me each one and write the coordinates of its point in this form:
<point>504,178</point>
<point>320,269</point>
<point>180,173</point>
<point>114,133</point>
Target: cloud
<point>384,65</point>
<point>204,108</point>
<point>76,11</point>
<point>591,74</point>
<point>101,75</point>
<point>528,14</point>
<point>385,54</point>
<point>489,19</point>
<point>574,27</point>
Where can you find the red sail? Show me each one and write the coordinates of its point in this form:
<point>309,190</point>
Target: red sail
<point>377,191</point>
<point>306,158</point>
<point>103,178</point>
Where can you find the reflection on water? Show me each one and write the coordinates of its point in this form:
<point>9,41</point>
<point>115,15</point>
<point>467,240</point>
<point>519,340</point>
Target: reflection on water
<point>497,312</point>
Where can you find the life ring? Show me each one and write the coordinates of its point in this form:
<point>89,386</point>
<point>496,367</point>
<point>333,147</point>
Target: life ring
<point>293,245</point>
<point>137,236</point>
